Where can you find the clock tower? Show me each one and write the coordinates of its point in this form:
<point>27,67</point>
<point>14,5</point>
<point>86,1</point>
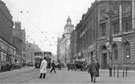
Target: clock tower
<point>68,28</point>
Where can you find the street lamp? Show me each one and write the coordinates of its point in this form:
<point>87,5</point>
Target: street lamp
<point>30,52</point>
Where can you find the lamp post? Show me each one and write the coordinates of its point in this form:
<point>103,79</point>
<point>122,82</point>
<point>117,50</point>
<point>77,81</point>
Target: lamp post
<point>30,52</point>
<point>110,13</point>
<point>110,47</point>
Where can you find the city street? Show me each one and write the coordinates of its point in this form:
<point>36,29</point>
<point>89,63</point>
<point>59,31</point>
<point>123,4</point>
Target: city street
<point>31,75</point>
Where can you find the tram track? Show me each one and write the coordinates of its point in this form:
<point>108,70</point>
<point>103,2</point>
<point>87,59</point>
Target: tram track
<point>18,74</point>
<point>21,77</point>
<point>34,77</point>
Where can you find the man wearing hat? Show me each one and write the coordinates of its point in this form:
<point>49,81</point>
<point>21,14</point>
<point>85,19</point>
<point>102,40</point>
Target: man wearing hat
<point>93,70</point>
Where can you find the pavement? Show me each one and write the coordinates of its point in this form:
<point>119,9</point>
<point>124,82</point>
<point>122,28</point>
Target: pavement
<point>105,78</point>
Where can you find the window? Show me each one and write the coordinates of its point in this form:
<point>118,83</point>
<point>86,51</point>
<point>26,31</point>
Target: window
<point>127,25</point>
<point>115,51</point>
<point>116,29</point>
<point>127,50</point>
<point>126,6</point>
<point>103,29</point>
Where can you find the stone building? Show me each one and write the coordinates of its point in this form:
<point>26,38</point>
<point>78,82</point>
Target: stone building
<point>7,49</point>
<point>73,46</point>
<point>19,42</point>
<point>86,34</point>
<point>107,33</point>
<point>122,27</point>
<point>63,45</point>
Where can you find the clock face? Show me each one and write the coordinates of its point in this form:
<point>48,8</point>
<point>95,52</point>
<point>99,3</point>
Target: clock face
<point>68,43</point>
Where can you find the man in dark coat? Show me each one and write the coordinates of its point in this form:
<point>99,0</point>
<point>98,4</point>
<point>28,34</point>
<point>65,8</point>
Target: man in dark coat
<point>98,66</point>
<point>93,71</point>
<point>53,67</point>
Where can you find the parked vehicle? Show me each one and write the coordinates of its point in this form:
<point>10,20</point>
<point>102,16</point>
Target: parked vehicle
<point>80,65</point>
<point>16,66</point>
<point>30,64</point>
<point>71,66</point>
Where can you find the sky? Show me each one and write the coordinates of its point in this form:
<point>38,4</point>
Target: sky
<point>44,20</point>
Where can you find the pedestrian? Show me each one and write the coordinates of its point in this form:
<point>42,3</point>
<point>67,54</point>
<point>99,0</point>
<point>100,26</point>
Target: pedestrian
<point>43,68</point>
<point>53,67</point>
<point>98,66</point>
<point>93,71</point>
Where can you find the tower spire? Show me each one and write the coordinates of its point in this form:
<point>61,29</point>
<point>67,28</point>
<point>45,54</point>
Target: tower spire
<point>68,19</point>
<point>69,26</point>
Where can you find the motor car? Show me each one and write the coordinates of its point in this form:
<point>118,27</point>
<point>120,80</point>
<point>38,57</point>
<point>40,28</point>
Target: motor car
<point>16,66</point>
<point>30,64</point>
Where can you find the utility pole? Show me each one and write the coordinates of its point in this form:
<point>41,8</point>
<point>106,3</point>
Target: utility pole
<point>110,13</point>
<point>110,51</point>
<point>97,27</point>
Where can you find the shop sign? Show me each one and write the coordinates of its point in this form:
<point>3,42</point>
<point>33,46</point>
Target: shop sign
<point>117,39</point>
<point>91,48</point>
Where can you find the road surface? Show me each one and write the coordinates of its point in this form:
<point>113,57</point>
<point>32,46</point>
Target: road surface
<point>31,75</point>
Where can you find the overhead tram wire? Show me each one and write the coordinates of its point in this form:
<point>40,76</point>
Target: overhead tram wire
<point>21,14</point>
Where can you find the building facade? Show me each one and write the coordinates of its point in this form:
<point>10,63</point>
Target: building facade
<point>19,42</point>
<point>86,35</point>
<point>107,33</point>
<point>63,45</point>
<point>73,46</point>
<point>122,27</point>
<point>7,49</point>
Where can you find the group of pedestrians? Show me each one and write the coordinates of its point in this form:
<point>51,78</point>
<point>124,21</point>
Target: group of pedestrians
<point>93,69</point>
<point>43,68</point>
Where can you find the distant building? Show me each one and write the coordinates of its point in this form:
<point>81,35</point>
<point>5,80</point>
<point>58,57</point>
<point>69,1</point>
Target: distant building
<point>7,49</point>
<point>19,42</point>
<point>31,48</point>
<point>63,45</point>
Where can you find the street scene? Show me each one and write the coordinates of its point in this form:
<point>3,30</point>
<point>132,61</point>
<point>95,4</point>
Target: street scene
<point>67,41</point>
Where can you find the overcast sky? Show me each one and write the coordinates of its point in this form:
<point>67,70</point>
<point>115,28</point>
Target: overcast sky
<point>44,20</point>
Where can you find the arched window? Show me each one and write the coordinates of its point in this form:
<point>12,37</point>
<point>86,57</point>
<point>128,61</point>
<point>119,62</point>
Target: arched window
<point>115,51</point>
<point>127,50</point>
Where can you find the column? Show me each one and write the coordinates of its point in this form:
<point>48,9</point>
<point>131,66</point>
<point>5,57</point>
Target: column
<point>133,14</point>
<point>120,16</point>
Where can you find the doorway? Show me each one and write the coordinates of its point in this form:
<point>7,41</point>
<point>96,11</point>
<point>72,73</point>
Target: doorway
<point>104,61</point>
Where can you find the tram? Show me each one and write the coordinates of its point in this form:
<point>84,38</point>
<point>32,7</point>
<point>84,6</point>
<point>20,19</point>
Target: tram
<point>48,58</point>
<point>38,59</point>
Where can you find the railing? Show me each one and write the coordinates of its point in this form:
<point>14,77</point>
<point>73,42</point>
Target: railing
<point>117,69</point>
